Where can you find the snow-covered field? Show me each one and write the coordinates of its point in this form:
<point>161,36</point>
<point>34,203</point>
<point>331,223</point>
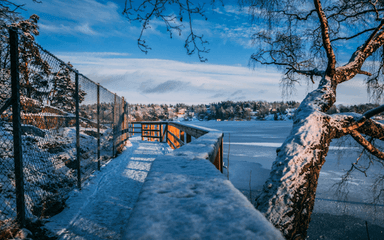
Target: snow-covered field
<point>252,149</point>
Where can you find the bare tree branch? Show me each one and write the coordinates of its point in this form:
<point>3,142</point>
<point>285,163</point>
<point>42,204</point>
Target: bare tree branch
<point>372,37</point>
<point>297,16</point>
<point>148,10</point>
<point>373,129</point>
<point>367,145</point>
<point>351,125</point>
<point>364,72</point>
<point>311,73</point>
<point>353,36</point>
<point>192,38</point>
<point>374,112</point>
<point>326,39</point>
<point>353,67</point>
<point>346,16</point>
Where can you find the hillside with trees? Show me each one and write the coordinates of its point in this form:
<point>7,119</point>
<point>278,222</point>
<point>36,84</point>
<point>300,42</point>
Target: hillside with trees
<point>231,111</point>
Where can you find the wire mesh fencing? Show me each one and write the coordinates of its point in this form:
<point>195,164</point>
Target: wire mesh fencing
<point>106,121</point>
<point>7,177</point>
<point>70,126</point>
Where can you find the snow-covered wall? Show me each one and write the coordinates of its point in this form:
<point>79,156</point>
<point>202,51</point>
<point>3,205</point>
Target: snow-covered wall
<point>186,197</point>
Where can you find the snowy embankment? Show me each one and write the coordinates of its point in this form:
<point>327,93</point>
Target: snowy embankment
<point>101,209</point>
<point>186,197</point>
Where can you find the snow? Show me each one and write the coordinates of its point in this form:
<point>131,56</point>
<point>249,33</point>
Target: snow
<point>246,154</point>
<point>275,145</point>
<point>183,196</point>
<point>101,209</point>
<point>186,197</point>
<point>261,144</point>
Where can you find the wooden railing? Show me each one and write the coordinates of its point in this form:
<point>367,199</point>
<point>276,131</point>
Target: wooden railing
<point>177,135</point>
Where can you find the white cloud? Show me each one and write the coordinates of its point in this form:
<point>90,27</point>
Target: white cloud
<point>86,29</point>
<point>74,16</point>
<point>55,28</point>
<point>99,54</point>
<point>217,10</point>
<point>240,34</point>
<point>78,11</point>
<point>166,81</point>
<point>231,10</point>
<point>71,29</point>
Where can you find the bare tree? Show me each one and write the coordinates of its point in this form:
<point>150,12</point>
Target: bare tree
<point>173,13</point>
<point>301,38</point>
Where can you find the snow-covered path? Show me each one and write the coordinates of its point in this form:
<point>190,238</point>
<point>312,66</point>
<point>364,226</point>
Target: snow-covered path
<point>101,209</point>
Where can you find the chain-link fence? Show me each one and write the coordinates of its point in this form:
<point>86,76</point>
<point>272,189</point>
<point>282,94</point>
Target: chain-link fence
<point>69,127</point>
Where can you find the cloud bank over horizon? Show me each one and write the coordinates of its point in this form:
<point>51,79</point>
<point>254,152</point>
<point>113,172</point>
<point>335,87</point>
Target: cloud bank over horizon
<point>168,81</point>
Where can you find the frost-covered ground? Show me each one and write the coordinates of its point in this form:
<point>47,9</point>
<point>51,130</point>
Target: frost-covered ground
<point>252,148</point>
<point>101,209</point>
<point>49,167</point>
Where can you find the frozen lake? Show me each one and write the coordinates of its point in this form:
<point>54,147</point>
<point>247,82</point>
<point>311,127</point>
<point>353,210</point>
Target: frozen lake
<point>252,147</point>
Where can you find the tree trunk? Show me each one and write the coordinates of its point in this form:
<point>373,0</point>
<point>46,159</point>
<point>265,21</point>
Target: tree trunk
<point>288,196</point>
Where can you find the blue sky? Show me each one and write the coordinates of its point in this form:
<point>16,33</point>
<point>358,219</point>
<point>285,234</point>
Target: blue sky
<point>101,43</point>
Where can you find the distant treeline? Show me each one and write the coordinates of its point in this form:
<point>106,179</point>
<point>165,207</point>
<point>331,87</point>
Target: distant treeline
<point>361,108</point>
<point>228,110</point>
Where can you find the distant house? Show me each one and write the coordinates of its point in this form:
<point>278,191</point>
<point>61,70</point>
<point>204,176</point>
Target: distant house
<point>181,112</point>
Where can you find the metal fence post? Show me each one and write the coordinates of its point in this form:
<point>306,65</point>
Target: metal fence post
<point>126,136</point>
<point>122,124</point>
<point>166,132</point>
<point>189,138</point>
<point>161,132</point>
<point>221,153</point>
<point>128,121</point>
<point>77,130</point>
<point>17,141</point>
<point>98,127</point>
<point>125,120</point>
<point>114,128</point>
<point>142,132</point>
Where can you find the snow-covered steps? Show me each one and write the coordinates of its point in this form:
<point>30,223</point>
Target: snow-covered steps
<point>185,197</point>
